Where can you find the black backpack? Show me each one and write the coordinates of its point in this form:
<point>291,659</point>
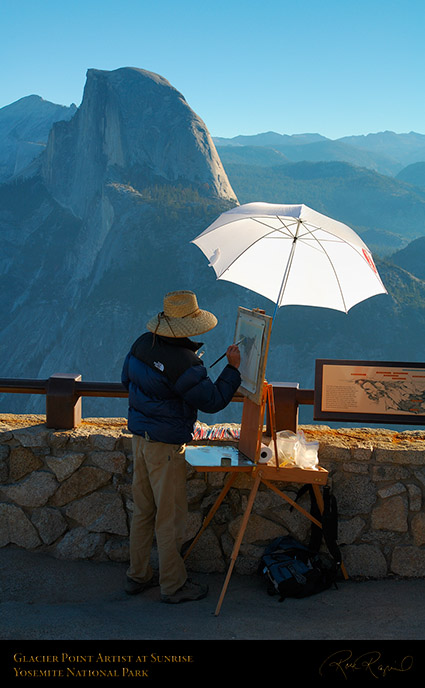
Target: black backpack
<point>292,569</point>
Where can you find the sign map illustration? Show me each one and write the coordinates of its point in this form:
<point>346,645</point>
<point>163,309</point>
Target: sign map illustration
<point>367,389</point>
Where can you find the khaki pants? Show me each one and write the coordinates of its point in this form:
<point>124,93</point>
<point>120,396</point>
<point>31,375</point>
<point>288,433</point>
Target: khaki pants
<point>160,507</point>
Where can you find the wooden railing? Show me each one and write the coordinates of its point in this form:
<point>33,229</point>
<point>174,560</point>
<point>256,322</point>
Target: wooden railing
<point>64,393</point>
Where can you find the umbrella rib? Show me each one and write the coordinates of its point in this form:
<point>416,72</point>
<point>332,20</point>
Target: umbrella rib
<point>287,228</point>
<point>332,266</point>
<point>248,247</point>
<point>337,239</point>
<point>275,229</point>
<point>287,270</point>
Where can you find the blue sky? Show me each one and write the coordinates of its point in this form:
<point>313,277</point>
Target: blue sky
<point>335,67</point>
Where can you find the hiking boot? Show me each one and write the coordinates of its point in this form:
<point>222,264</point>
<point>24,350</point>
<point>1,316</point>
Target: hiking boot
<point>133,587</point>
<point>189,592</point>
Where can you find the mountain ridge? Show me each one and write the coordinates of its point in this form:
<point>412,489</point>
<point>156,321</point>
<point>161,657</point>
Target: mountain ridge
<point>385,152</point>
<point>126,143</point>
<point>24,129</point>
<point>362,198</point>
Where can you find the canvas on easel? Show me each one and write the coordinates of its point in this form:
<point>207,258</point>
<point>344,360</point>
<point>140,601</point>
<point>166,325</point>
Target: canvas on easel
<point>253,327</point>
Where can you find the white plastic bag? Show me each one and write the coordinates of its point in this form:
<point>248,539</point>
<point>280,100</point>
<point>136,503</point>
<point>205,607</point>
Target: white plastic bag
<point>307,452</point>
<point>287,442</point>
<point>294,450</point>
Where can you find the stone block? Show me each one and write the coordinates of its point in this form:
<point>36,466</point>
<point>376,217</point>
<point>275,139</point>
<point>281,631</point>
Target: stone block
<point>390,514</point>
<point>33,491</point>
<point>389,473</point>
<point>125,444</point>
<point>50,524</point>
<point>104,442</point>
<point>266,500</point>
<point>244,481</point>
<point>99,512</point>
<point>193,524</point>
<point>79,543</point>
<point>417,527</point>
<point>294,522</point>
<point>415,497</point>
<point>32,436</point>
<point>57,439</point>
<point>79,439</point>
<point>259,530</point>
<point>329,452</point>
<point>365,561</point>
<point>354,467</point>
<point>402,456</point>
<point>66,465</point>
<point>4,451</point>
<point>408,561</point>
<point>350,530</point>
<point>354,494</point>
<point>247,562</point>
<point>216,478</point>
<point>4,471</point>
<point>420,474</point>
<point>4,463</point>
<point>391,490</point>
<point>126,490</point>
<point>206,556</point>
<point>85,480</point>
<point>112,461</point>
<point>22,461</point>
<point>16,528</point>
<point>117,550</point>
<point>362,453</point>
<point>195,490</point>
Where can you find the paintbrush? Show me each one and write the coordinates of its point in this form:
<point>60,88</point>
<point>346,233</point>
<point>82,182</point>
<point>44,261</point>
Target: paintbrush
<point>221,357</point>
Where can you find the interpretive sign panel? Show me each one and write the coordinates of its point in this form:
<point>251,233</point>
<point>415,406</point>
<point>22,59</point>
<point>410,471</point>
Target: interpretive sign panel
<point>253,334</point>
<point>372,391</point>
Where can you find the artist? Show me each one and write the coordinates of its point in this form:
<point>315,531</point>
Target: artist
<point>168,384</point>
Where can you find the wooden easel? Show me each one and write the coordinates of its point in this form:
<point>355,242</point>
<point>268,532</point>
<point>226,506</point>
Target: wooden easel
<point>251,436</point>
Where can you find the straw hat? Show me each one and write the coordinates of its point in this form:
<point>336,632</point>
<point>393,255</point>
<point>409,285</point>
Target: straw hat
<point>181,317</point>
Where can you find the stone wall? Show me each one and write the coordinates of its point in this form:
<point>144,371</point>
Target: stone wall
<point>69,493</point>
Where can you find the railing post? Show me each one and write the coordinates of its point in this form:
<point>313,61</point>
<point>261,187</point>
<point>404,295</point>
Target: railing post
<point>63,405</point>
<point>286,405</point>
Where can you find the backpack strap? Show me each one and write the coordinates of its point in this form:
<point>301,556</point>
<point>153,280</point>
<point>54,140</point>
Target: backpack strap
<point>330,524</point>
<point>328,519</point>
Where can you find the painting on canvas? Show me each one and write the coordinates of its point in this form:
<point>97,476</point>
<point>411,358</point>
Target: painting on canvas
<point>253,328</point>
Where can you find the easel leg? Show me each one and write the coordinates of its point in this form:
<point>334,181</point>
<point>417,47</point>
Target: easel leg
<point>319,498</point>
<point>212,511</point>
<point>294,504</point>
<point>239,539</point>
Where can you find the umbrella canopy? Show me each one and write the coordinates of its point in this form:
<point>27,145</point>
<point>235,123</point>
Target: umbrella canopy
<point>291,254</point>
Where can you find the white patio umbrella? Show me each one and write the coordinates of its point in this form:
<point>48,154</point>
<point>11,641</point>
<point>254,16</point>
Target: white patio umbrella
<point>291,254</point>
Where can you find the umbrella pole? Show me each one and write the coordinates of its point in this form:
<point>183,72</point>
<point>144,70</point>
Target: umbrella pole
<point>287,269</point>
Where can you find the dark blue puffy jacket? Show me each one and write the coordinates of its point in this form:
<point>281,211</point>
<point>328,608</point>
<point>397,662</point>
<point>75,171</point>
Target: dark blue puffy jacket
<point>167,384</point>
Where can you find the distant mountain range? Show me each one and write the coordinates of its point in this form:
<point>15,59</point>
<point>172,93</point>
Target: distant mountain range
<point>385,152</point>
<point>374,183</point>
<point>24,129</point>
<point>412,258</point>
<point>413,174</point>
<point>386,212</point>
<point>97,226</point>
